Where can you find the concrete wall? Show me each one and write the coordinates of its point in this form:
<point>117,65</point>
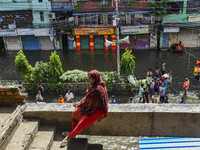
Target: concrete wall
<point>46,43</point>
<point>37,7</point>
<point>12,43</point>
<point>190,37</point>
<point>129,120</point>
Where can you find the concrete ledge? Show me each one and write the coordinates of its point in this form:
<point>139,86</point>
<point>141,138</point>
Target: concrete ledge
<point>178,120</point>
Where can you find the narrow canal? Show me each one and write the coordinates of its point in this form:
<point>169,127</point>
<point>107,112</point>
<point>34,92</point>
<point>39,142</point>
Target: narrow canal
<point>180,64</point>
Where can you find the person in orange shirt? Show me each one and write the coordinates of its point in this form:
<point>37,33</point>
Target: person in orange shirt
<point>186,86</point>
<point>61,99</point>
<point>180,47</point>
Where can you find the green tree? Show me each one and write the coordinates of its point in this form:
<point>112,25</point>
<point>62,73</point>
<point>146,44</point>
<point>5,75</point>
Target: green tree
<point>127,63</point>
<point>22,65</point>
<point>55,67</point>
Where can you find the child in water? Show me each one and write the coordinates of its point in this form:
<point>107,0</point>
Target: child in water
<point>131,100</point>
<point>113,99</point>
<point>61,99</point>
<point>154,97</point>
<point>166,99</point>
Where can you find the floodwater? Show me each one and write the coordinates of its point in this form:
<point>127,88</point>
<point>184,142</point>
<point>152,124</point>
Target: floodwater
<point>181,65</point>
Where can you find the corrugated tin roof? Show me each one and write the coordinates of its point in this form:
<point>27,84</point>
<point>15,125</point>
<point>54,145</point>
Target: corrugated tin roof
<point>170,144</point>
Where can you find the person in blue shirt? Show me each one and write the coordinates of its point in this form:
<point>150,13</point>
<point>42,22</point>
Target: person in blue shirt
<point>166,99</point>
<point>131,100</point>
<point>182,101</point>
<point>113,99</point>
<point>165,83</point>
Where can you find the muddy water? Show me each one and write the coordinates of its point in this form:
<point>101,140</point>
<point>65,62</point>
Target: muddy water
<point>181,65</point>
<point>114,142</point>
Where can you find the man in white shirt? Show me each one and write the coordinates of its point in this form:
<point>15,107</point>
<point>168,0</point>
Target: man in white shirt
<point>69,96</point>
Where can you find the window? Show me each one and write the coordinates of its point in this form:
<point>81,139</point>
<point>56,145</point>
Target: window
<point>175,8</point>
<point>193,7</point>
<point>41,16</point>
<point>40,1</point>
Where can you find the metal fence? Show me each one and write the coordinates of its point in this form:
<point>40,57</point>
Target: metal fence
<point>62,87</point>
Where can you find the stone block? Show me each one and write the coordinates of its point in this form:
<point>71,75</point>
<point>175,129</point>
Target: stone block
<point>11,93</point>
<point>2,89</point>
<point>77,144</point>
<point>2,93</point>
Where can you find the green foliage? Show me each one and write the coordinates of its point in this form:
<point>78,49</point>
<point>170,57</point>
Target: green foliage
<point>159,8</point>
<point>81,76</point>
<point>129,6</point>
<point>78,7</point>
<point>127,63</point>
<point>55,67</point>
<point>104,7</point>
<point>21,64</point>
<point>40,73</point>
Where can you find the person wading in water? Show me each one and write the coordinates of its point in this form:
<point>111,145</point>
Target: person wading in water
<point>92,107</point>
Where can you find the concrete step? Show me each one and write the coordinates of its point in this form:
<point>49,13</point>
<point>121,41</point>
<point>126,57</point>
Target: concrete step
<point>9,122</point>
<point>23,136</point>
<point>56,146</point>
<point>95,147</point>
<point>43,140</point>
<point>75,144</point>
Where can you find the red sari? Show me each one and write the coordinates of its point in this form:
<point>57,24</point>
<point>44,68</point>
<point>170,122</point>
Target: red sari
<point>92,107</point>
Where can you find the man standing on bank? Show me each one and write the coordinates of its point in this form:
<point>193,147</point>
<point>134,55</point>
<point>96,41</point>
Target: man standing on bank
<point>92,107</point>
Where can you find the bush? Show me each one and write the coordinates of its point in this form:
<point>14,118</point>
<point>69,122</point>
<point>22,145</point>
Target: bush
<point>55,67</point>
<point>74,76</point>
<point>22,65</point>
<point>127,63</point>
<point>40,73</point>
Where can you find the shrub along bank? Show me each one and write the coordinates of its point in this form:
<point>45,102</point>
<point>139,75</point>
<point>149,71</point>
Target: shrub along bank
<point>55,79</point>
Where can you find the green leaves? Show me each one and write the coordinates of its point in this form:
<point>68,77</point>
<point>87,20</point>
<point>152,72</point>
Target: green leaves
<point>55,67</point>
<point>127,63</point>
<point>159,8</point>
<point>21,64</point>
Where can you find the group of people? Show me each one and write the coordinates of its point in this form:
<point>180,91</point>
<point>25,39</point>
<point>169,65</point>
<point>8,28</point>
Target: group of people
<point>69,96</point>
<point>152,87</point>
<point>154,84</point>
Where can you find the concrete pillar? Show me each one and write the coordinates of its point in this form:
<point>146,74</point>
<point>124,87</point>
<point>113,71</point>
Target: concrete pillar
<point>91,42</point>
<point>78,44</point>
<point>113,46</point>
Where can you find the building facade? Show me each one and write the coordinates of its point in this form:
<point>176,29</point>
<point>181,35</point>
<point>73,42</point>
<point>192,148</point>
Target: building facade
<point>94,24</point>
<point>24,24</point>
<point>181,24</point>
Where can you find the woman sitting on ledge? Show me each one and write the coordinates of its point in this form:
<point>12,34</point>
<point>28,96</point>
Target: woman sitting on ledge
<point>92,107</point>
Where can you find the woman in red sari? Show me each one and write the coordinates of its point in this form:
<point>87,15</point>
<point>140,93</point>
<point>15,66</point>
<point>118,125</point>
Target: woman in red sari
<point>92,107</point>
